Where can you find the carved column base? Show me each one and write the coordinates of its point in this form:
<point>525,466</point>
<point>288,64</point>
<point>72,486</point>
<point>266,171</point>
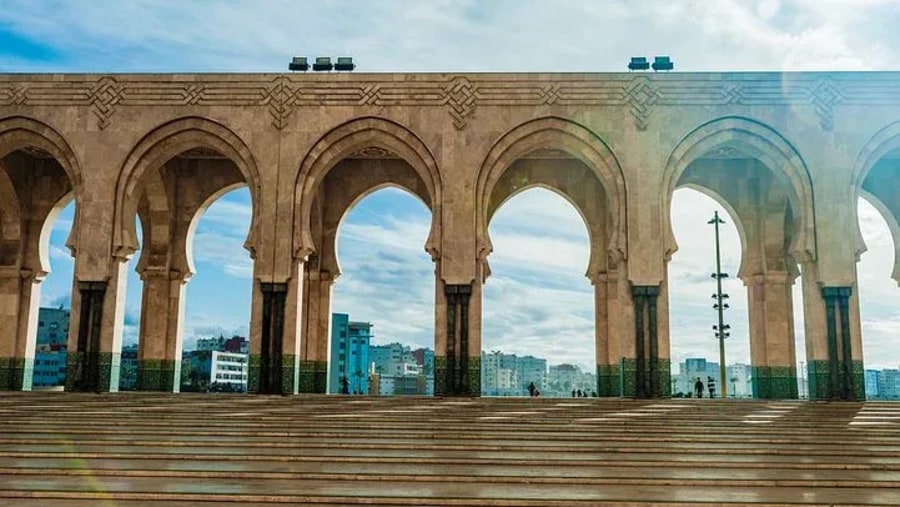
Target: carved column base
<point>661,375</point>
<point>16,373</point>
<point>162,375</point>
<point>313,377</point>
<point>820,388</point>
<point>609,381</point>
<point>106,372</point>
<point>774,382</point>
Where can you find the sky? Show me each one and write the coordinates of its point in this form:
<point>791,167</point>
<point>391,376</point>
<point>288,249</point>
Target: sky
<point>544,306</point>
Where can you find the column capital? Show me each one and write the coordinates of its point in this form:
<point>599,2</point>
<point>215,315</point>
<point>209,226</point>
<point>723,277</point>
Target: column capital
<point>645,290</point>
<point>773,277</point>
<point>830,292</point>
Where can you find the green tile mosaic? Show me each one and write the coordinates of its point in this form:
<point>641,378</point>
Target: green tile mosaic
<point>627,369</point>
<point>14,374</point>
<point>163,375</point>
<point>290,374</point>
<point>253,369</point>
<point>774,382</point>
<point>663,380</point>
<point>609,383</point>
<point>440,376</point>
<point>473,376</point>
<point>820,388</point>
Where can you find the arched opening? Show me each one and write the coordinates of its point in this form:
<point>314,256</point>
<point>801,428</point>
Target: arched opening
<point>181,181</point>
<point>763,184</point>
<point>538,306</point>
<point>348,164</point>
<point>694,347</point>
<point>38,185</point>
<point>215,356</point>
<point>878,296</point>
<point>382,320</point>
<point>51,341</point>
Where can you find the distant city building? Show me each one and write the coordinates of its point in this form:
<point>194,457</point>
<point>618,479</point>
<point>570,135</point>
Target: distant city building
<point>397,370</point>
<point>693,368</point>
<point>349,354</point>
<point>128,368</point>
<point>50,348</point>
<point>216,366</point>
<point>499,375</point>
<point>531,369</point>
<point>889,384</point>
<point>872,389</point>
<point>739,380</point>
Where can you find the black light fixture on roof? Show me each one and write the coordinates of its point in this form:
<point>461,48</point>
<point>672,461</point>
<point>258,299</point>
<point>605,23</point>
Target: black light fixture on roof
<point>638,63</point>
<point>322,63</point>
<point>662,63</point>
<point>298,63</point>
<point>344,63</point>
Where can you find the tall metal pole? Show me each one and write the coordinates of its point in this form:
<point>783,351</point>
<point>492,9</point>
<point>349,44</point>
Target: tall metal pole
<point>720,305</point>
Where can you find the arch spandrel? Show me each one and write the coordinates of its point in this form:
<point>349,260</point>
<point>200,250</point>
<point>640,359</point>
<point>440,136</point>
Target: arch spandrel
<point>757,141</point>
<point>336,146</point>
<point>158,147</point>
<point>579,143</point>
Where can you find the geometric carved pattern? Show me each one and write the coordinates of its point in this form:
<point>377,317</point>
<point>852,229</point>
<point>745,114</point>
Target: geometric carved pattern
<point>460,98</point>
<point>641,96</point>
<point>460,95</point>
<point>103,99</point>
<point>824,97</point>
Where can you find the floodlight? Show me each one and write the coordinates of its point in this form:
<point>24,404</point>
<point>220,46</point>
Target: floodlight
<point>344,63</point>
<point>298,63</point>
<point>662,63</point>
<point>639,63</point>
<point>322,63</point>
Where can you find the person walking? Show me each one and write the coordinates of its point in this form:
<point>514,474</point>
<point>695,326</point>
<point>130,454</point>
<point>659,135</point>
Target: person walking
<point>531,389</point>
<point>711,386</point>
<point>698,387</point>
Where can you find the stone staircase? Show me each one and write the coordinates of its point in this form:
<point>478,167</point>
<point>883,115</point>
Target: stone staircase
<point>136,449</point>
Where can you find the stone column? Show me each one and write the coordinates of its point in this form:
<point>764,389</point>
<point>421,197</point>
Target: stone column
<point>95,333</point>
<point>293,332</point>
<point>314,301</point>
<point>617,377</point>
<point>19,301</point>
<point>646,366</point>
<point>601,335</point>
<point>161,339</point>
<point>458,373</point>
<point>772,347</point>
<point>271,379</point>
<point>833,341</point>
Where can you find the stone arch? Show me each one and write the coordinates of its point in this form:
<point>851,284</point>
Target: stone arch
<point>576,140</point>
<point>594,262</point>
<point>893,226</point>
<point>877,147</point>
<point>343,140</point>
<point>156,223</point>
<point>762,143</point>
<point>732,214</point>
<point>47,229</point>
<point>192,227</point>
<point>336,268</point>
<point>17,132</point>
<point>158,147</point>
<point>10,222</point>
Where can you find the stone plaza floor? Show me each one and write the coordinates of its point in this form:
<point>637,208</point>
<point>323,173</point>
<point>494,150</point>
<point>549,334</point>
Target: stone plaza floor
<point>138,449</point>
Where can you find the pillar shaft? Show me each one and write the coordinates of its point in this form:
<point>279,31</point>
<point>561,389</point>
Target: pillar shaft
<point>772,347</point>
<point>645,376</point>
<point>161,339</point>
<point>458,365</point>
<point>95,333</point>
<point>19,301</point>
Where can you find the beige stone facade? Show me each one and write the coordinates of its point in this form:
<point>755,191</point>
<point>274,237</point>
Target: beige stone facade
<point>787,154</point>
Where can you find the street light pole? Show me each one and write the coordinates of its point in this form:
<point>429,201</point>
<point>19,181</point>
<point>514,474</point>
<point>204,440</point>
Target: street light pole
<point>720,306</point>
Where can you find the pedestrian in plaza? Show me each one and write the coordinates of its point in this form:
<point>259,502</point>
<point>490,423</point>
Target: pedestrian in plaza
<point>573,393</point>
<point>531,389</point>
<point>579,393</point>
<point>711,386</point>
<point>698,387</point>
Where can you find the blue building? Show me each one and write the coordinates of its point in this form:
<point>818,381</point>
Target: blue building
<point>872,390</point>
<point>349,354</point>
<point>50,349</point>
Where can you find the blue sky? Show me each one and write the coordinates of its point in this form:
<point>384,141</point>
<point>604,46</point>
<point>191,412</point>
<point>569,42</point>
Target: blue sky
<point>543,306</point>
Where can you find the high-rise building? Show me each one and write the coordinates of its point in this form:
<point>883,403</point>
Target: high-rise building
<point>531,369</point>
<point>872,390</point>
<point>50,349</point>
<point>349,354</point>
<point>889,384</point>
<point>498,374</point>
<point>128,368</point>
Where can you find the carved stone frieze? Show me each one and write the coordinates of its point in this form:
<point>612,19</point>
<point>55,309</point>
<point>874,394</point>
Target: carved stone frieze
<point>459,95</point>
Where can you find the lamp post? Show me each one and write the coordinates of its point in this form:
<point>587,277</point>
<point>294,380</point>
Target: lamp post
<point>720,306</point>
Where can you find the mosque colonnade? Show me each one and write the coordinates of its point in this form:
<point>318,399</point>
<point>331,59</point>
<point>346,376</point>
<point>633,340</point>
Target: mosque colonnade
<point>788,154</point>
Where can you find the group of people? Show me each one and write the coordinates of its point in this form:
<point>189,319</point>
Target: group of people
<point>710,386</point>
